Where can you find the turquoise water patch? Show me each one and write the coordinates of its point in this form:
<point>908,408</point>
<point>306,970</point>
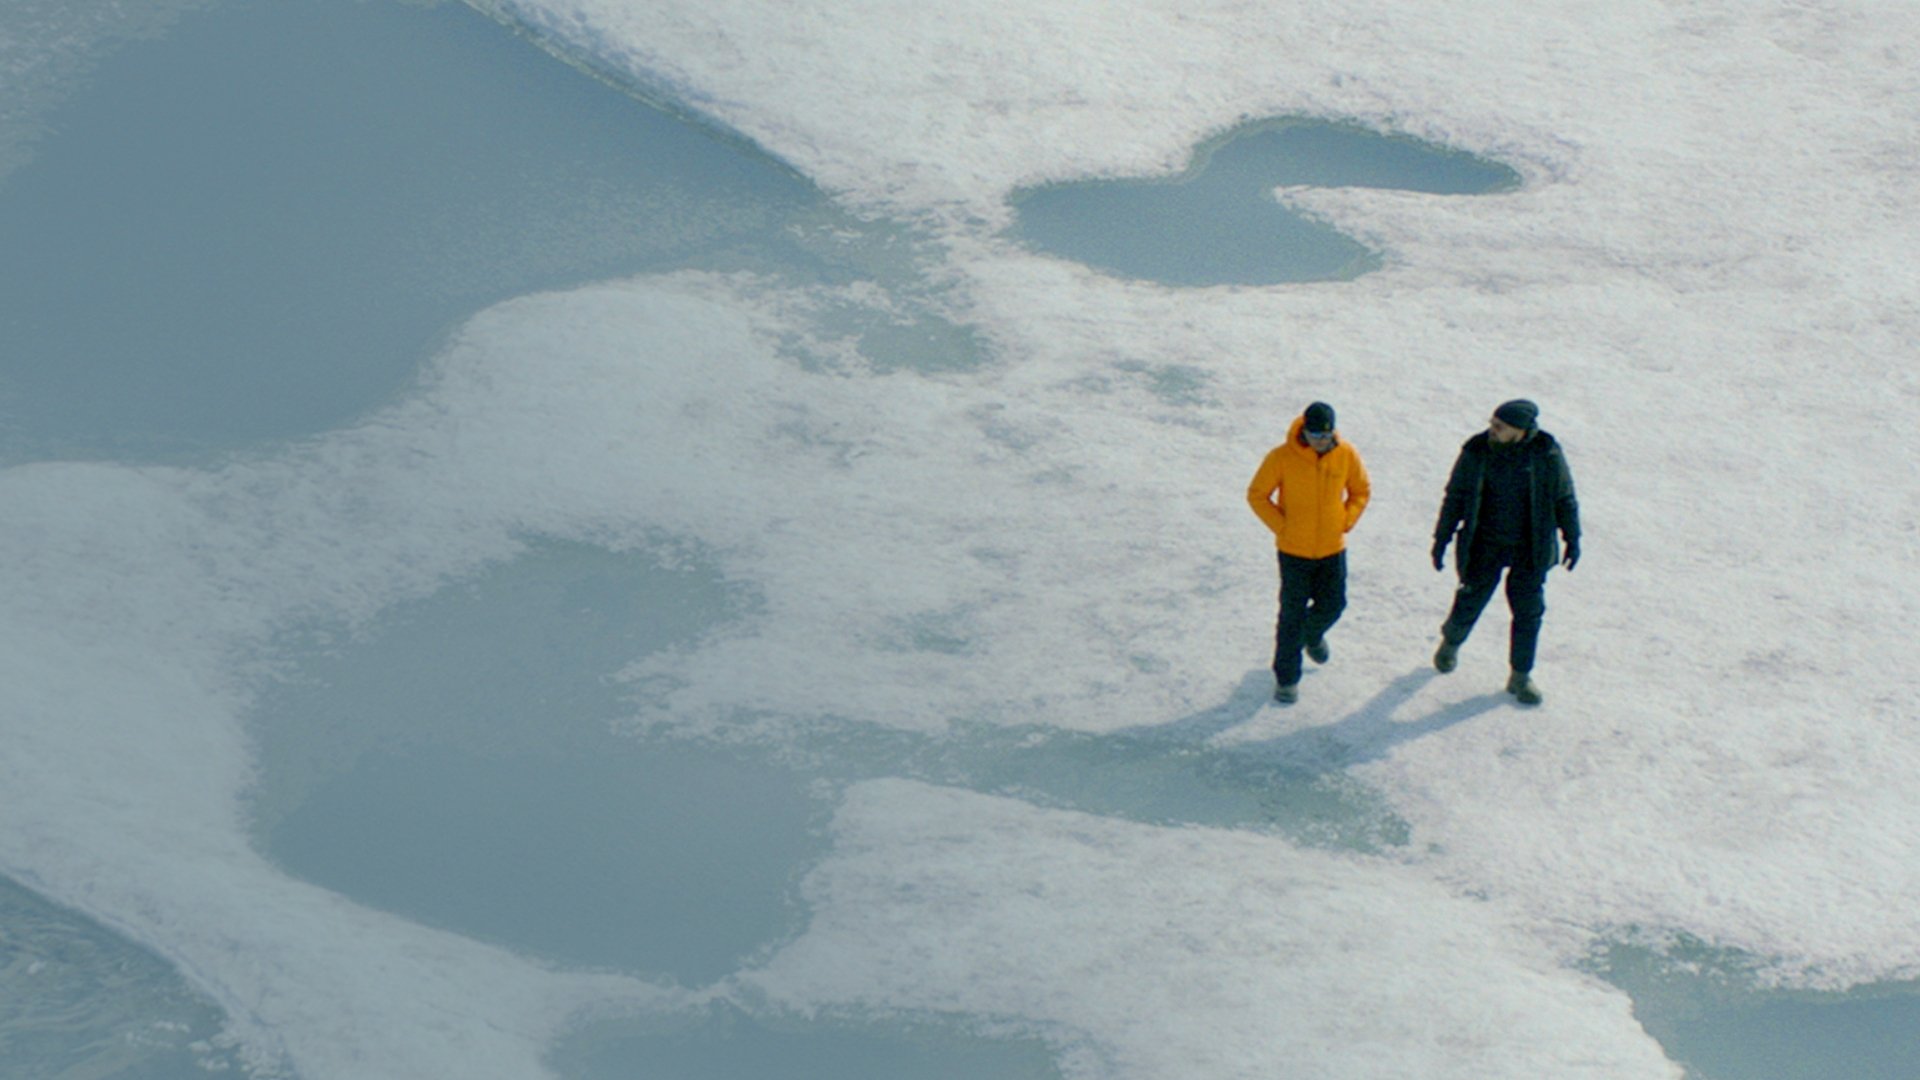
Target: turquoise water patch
<point>77,1000</point>
<point>727,1044</point>
<point>670,862</point>
<point>1217,223</point>
<point>455,763</point>
<point>257,226</point>
<point>1704,1007</point>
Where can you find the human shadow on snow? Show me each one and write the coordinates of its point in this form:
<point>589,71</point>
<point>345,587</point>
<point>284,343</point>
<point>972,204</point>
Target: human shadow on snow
<point>1368,733</point>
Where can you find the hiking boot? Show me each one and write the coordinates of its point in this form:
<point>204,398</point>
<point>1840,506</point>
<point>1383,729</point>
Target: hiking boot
<point>1520,685</point>
<point>1446,656</point>
<point>1318,652</point>
<point>1288,694</point>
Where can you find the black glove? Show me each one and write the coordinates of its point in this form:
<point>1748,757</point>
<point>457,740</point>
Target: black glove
<point>1573,553</point>
<point>1440,554</point>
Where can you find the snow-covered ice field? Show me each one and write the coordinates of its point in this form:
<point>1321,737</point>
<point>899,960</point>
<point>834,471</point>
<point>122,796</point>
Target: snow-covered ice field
<point>849,630</point>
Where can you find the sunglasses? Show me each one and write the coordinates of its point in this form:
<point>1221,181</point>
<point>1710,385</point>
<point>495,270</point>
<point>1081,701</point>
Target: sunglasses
<point>1318,434</point>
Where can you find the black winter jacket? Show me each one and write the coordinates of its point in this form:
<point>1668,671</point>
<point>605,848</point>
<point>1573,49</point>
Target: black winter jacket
<point>1553,509</point>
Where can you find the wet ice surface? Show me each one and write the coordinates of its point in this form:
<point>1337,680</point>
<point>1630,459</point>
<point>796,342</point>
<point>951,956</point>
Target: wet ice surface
<point>724,1044</point>
<point>1218,222</point>
<point>457,764</point>
<point>76,1000</point>
<point>259,225</point>
<point>1703,1006</point>
<point>471,762</point>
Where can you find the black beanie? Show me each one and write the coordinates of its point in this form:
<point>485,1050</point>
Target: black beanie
<point>1319,418</point>
<point>1519,413</point>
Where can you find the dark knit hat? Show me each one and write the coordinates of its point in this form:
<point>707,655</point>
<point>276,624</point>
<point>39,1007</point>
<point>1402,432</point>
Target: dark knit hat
<point>1519,413</point>
<point>1319,418</point>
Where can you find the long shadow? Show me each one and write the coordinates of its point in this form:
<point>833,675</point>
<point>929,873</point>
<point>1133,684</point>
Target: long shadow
<point>1159,774</point>
<point>1370,732</point>
<point>1252,694</point>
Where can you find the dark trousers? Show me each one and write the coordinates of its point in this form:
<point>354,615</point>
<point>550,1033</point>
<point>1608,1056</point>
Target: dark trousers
<point>1313,593</point>
<point>1526,598</point>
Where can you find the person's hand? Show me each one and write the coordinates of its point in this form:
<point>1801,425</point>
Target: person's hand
<point>1439,554</point>
<point>1573,553</point>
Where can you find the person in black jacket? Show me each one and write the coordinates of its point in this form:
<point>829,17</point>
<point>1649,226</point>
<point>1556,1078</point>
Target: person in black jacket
<point>1509,501</point>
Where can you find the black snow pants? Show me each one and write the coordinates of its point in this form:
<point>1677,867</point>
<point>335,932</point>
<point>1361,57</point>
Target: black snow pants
<point>1313,593</point>
<point>1526,598</point>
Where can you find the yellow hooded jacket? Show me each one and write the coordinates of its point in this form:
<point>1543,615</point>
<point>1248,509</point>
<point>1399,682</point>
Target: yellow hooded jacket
<point>1308,499</point>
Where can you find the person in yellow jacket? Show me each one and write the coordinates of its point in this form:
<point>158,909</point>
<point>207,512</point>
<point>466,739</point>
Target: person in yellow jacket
<point>1310,491</point>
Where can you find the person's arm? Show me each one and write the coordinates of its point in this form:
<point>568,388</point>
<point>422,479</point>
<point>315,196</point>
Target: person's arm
<point>1566,510</point>
<point>1453,510</point>
<point>1263,492</point>
<point>1359,491</point>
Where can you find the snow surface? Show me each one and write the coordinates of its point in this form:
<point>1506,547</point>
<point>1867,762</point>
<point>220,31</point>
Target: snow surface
<point>47,45</point>
<point>1706,281</point>
<point>1239,955</point>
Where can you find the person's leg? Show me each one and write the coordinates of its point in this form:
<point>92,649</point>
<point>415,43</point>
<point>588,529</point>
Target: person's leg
<point>1329,596</point>
<point>1476,588</point>
<point>1289,632</point>
<point>1527,599</point>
